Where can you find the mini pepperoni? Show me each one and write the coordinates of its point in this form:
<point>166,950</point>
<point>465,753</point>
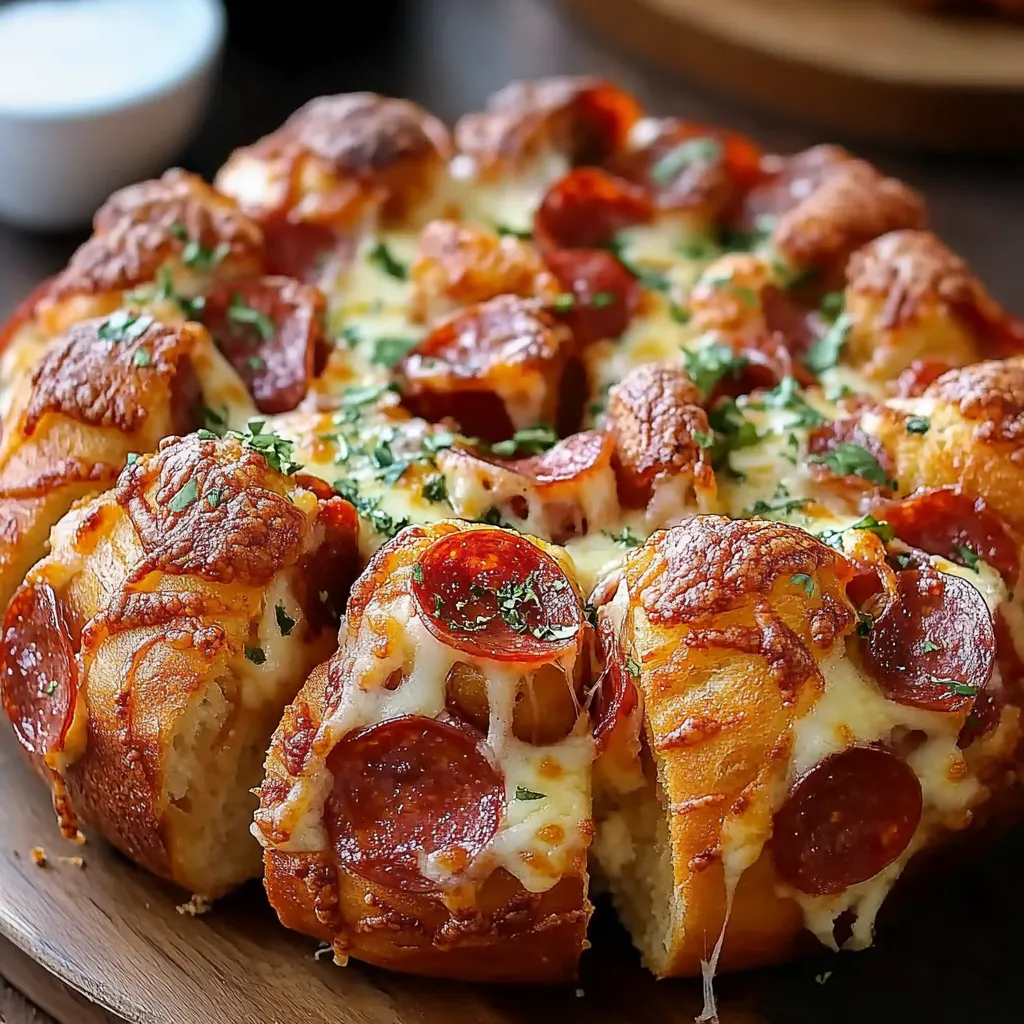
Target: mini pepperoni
<point>409,790</point>
<point>40,676</point>
<point>945,521</point>
<point>917,377</point>
<point>586,208</point>
<point>604,294</point>
<point>690,166</point>
<point>799,327</point>
<point>934,646</point>
<point>847,819</point>
<point>301,251</point>
<point>495,595</point>
<point>270,331</point>
<point>988,705</point>
<point>329,572</point>
<point>615,694</point>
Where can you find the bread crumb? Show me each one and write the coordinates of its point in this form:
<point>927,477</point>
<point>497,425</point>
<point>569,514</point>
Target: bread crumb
<point>75,862</point>
<point>195,907</point>
<point>39,857</point>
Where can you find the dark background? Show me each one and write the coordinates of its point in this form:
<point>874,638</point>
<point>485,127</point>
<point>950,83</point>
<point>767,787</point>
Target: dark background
<point>956,955</point>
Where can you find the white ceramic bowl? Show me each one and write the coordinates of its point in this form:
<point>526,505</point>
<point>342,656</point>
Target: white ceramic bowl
<point>62,155</point>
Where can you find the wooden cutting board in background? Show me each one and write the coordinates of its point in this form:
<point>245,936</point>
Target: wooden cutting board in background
<point>866,67</point>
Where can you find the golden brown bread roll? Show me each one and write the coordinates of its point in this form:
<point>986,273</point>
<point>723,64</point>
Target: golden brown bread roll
<point>108,387</point>
<point>803,705</point>
<point>427,799</point>
<point>148,657</point>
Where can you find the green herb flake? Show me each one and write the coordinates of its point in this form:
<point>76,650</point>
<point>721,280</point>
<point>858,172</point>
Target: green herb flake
<point>633,667</point>
<point>865,623</point>
<point>142,357</point>
<point>256,655</point>
<point>522,793</point>
<point>131,458</point>
<point>704,439</point>
<point>600,300</point>
<point>380,255</point>
<point>417,572</point>
<point>505,229</point>
<point>824,353</point>
<point>832,304</point>
<point>693,151</point>
<point>848,459</point>
<point>528,441</point>
<point>50,687</point>
<point>435,488</point>
<point>776,508</point>
<point>563,302</point>
<point>625,537</point>
<point>214,497</point>
<point>185,497</point>
<point>918,424</point>
<point>879,527</point>
<point>706,366</point>
<point>801,579</point>
<point>389,351</point>
<point>124,326</point>
<point>246,316</point>
<point>955,686</point>
<point>285,623</point>
<point>969,556</point>
<point>929,646</point>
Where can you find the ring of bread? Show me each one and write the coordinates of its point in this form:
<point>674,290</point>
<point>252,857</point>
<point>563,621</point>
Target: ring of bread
<point>686,478</point>
<point>150,654</point>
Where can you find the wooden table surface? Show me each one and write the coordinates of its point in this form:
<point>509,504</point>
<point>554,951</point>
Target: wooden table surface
<point>448,55</point>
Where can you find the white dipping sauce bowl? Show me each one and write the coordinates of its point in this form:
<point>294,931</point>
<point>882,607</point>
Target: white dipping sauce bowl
<point>66,145</point>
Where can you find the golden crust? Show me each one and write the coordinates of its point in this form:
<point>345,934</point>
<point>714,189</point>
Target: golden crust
<point>489,929</point>
<point>459,265</point>
<point>583,118</point>
<point>656,421</point>
<point>908,297</point>
<point>145,227</point>
<point>173,709</point>
<point>833,204</point>
<point>728,647</point>
<point>89,402</point>
<point>339,157</point>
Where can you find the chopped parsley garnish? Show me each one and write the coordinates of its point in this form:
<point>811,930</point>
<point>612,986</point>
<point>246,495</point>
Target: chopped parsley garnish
<point>707,366</point>
<point>381,256</point>
<point>246,316</point>
<point>285,623</point>
<point>786,395</point>
<point>704,439</point>
<point>563,302</point>
<point>142,357</point>
<point>918,424</point>
<point>955,686</point>
<point>625,537</point>
<point>824,353</point>
<point>435,488</point>
<point>349,336</point>
<point>365,394</point>
<point>633,667</point>
<point>848,459</point>
<point>388,351</point>
<point>188,494</point>
<point>417,572</point>
<point>214,421</point>
<point>599,300</point>
<point>492,517</point>
<point>214,497</point>
<point>505,229</point>
<point>970,557</point>
<point>679,314</point>
<point>278,451</point>
<point>694,151</point>
<point>697,248</point>
<point>832,304</point>
<point>124,326</point>
<point>50,688</point>
<point>166,292</point>
<point>522,793</point>
<point>865,623</point>
<point>648,278</point>
<point>735,430</point>
<point>776,508</point>
<point>801,579</point>
<point>194,254</point>
<point>929,646</point>
<point>879,527</point>
<point>369,509</point>
<point>528,441</point>
<point>256,655</point>
<point>256,363</point>
<point>131,458</point>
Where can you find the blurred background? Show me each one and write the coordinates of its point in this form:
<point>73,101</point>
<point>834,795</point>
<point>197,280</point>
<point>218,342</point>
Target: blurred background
<point>449,54</point>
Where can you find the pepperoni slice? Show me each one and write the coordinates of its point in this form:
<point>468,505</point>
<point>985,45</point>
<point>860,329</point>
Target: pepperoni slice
<point>40,675</point>
<point>691,166</point>
<point>605,294</point>
<point>329,572</point>
<point>495,595</point>
<point>988,705</point>
<point>586,208</point>
<point>302,250</point>
<point>615,694</point>
<point>270,331</point>
<point>843,451</point>
<point>917,377</point>
<point>847,819</point>
<point>945,521</point>
<point>934,646</point>
<point>408,790</point>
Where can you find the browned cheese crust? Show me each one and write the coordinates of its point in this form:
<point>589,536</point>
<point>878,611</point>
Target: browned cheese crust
<point>89,402</point>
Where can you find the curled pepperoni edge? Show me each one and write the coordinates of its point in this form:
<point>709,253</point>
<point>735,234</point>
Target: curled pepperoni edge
<point>845,820</point>
<point>41,720</point>
<point>470,801</point>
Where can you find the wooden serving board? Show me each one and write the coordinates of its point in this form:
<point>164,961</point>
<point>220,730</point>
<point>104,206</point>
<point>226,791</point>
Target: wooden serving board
<point>111,935</point>
<point>867,67</point>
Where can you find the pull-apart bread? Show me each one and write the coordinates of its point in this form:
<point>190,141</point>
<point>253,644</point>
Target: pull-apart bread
<point>680,485</point>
